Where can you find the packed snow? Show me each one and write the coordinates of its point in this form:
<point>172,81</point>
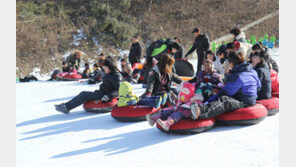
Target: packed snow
<point>45,137</point>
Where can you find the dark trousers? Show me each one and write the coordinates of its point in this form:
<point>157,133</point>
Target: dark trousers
<point>55,72</point>
<point>149,101</point>
<point>83,97</point>
<point>200,60</point>
<point>176,115</point>
<point>223,104</point>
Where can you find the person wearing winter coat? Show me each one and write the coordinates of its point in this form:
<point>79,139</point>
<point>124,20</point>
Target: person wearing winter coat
<point>201,45</point>
<point>240,90</point>
<point>128,98</point>
<point>126,70</point>
<point>74,58</point>
<point>87,71</point>
<point>261,67</point>
<point>135,51</point>
<point>156,49</point>
<point>238,35</point>
<point>65,68</point>
<point>108,89</point>
<point>207,80</point>
<point>258,48</point>
<point>161,77</point>
<point>171,115</point>
<point>72,71</point>
<point>97,75</point>
<point>180,53</point>
<point>218,67</point>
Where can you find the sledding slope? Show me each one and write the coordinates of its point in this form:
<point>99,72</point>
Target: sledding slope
<point>45,137</point>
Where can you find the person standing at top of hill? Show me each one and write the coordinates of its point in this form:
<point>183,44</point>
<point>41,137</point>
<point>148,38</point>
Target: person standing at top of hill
<point>180,53</point>
<point>238,35</point>
<point>201,45</point>
<point>155,50</point>
<point>135,51</point>
<point>74,58</point>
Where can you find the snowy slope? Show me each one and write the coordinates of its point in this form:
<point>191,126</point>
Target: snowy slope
<point>45,137</point>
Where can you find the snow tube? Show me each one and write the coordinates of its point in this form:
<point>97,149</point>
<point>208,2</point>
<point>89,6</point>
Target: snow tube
<point>188,126</point>
<point>183,78</point>
<point>72,77</point>
<point>244,116</point>
<point>272,105</point>
<point>132,113</point>
<point>275,83</point>
<point>275,94</point>
<point>96,106</point>
<point>184,68</point>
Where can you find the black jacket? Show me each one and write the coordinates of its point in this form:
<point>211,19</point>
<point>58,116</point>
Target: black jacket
<point>66,69</point>
<point>154,83</point>
<point>110,84</point>
<point>135,53</point>
<point>159,46</point>
<point>180,53</point>
<point>201,45</point>
<point>263,73</point>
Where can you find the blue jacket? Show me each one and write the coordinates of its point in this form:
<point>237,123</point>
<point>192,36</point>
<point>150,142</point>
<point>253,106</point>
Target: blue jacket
<point>242,84</point>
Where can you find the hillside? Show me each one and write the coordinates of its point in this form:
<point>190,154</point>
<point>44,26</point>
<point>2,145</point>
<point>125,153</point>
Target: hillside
<point>47,29</point>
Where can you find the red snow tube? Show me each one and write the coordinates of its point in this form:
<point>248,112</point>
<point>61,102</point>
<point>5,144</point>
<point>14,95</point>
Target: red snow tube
<point>275,94</point>
<point>272,105</point>
<point>132,113</point>
<point>99,107</point>
<point>244,116</point>
<point>275,83</point>
<point>188,126</point>
<point>72,77</point>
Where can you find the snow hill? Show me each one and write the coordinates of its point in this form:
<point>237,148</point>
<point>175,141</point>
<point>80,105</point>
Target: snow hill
<point>45,137</point>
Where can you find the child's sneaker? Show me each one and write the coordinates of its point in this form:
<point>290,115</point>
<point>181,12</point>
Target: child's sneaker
<point>164,98</point>
<point>152,118</point>
<point>158,102</point>
<point>195,111</point>
<point>166,124</point>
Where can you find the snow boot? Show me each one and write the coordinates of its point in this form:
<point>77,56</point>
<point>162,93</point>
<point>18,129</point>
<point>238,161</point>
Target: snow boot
<point>166,124</point>
<point>62,108</point>
<point>195,111</point>
<point>152,118</point>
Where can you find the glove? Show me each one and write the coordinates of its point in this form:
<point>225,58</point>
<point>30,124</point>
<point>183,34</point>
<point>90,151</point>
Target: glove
<point>105,98</point>
<point>206,102</point>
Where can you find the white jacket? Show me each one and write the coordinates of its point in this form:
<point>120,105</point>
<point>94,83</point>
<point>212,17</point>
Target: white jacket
<point>241,37</point>
<point>218,66</point>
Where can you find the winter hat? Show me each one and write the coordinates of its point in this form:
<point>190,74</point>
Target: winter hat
<point>125,88</point>
<point>187,91</point>
<point>111,64</point>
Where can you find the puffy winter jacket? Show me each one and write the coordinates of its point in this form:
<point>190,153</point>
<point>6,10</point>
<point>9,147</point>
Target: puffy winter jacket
<point>154,83</point>
<point>242,84</point>
<point>201,45</point>
<point>213,78</point>
<point>263,73</point>
<point>110,84</point>
<point>135,53</point>
<point>125,94</point>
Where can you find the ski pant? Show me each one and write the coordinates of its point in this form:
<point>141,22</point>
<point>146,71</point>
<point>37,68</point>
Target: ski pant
<point>83,97</point>
<point>149,101</point>
<point>200,60</point>
<point>55,72</point>
<point>223,104</point>
<point>176,115</point>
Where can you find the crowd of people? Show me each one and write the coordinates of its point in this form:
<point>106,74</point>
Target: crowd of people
<point>234,76</point>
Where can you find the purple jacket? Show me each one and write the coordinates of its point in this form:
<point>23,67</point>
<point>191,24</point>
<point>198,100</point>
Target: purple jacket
<point>242,84</point>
